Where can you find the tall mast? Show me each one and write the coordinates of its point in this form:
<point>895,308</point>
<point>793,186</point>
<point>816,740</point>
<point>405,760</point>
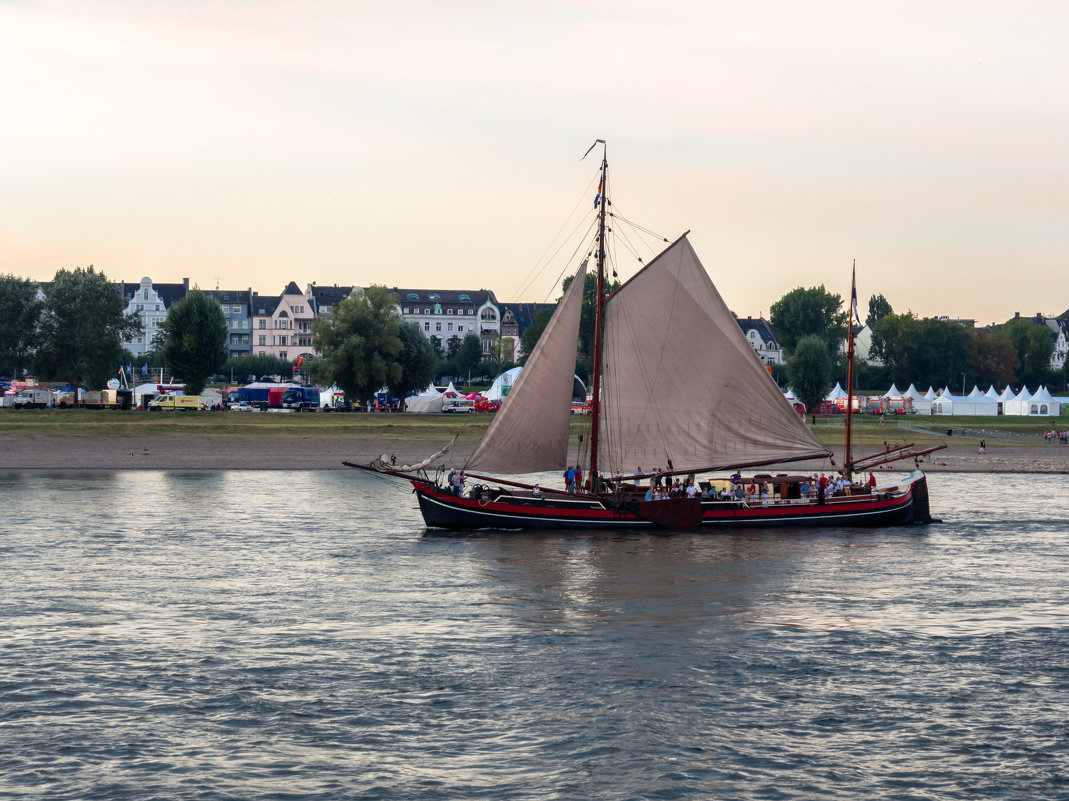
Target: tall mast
<point>599,321</point>
<point>848,462</point>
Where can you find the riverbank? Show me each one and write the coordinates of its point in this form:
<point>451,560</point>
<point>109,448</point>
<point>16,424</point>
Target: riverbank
<point>191,451</point>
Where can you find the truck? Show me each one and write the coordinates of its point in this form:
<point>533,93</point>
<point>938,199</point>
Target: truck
<point>261,397</point>
<point>188,403</point>
<point>32,399</point>
<point>302,399</point>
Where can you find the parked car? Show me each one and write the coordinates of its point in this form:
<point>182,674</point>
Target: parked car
<point>242,406</point>
<point>580,408</point>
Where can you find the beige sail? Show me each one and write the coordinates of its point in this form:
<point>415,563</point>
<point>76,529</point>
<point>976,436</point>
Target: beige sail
<point>530,432</point>
<point>680,382</point>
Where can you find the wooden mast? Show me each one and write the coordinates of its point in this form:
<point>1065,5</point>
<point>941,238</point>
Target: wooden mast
<point>599,320</point>
<point>848,462</point>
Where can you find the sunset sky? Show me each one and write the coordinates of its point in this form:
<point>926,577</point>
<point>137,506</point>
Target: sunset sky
<point>438,144</point>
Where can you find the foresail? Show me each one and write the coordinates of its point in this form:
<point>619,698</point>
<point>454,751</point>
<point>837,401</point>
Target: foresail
<point>682,385</point>
<point>530,432</point>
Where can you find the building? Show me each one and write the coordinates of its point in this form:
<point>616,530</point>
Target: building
<point>282,325</point>
<point>758,332</point>
<point>150,302</point>
<point>442,314</point>
<point>236,306</point>
<point>515,319</point>
<point>324,299</point>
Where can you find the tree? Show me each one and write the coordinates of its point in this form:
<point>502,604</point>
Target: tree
<point>360,344</point>
<point>809,369</point>
<point>83,325</point>
<point>929,351</point>
<point>418,361</point>
<point>194,344</point>
<point>1034,344</point>
<point>586,318</point>
<point>996,358</point>
<point>20,312</point>
<point>878,308</point>
<point>251,367</point>
<point>802,312</point>
<point>470,354</point>
<point>533,332</point>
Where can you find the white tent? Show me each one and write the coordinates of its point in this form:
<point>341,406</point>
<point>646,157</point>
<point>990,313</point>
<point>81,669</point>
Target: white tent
<point>329,397</point>
<point>838,393</point>
<point>1044,405</point>
<point>920,403</point>
<point>427,402</point>
<point>930,394</point>
<point>992,394</point>
<point>502,384</point>
<point>1018,404</point>
<point>963,406</point>
<point>893,392</point>
<point>976,393</point>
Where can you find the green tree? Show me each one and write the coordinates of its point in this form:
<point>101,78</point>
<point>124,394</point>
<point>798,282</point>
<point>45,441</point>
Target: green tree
<point>878,308</point>
<point>586,318</point>
<point>923,352</point>
<point>418,361</point>
<point>194,345</point>
<point>469,355</point>
<point>533,332</point>
<point>20,312</point>
<point>360,344</point>
<point>1035,345</point>
<point>809,370</point>
<point>250,367</point>
<point>996,359</point>
<point>802,312</point>
<point>83,325</point>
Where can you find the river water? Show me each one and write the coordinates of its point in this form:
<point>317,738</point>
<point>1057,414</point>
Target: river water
<point>272,635</point>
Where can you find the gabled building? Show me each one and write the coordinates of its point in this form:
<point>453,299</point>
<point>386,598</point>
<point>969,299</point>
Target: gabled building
<point>150,302</point>
<point>758,332</point>
<point>282,325</point>
<point>442,314</point>
<point>515,319</point>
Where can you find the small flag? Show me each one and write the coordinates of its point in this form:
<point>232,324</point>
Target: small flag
<point>596,143</point>
<point>597,197</point>
<point>853,292</point>
<point>144,369</point>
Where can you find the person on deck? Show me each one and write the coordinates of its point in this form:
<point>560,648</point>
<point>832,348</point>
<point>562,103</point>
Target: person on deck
<point>569,479</point>
<point>537,491</point>
<point>872,481</point>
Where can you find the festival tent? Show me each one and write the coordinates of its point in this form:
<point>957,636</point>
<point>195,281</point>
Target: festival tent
<point>920,403</point>
<point>838,393</point>
<point>1007,394</point>
<point>963,406</point>
<point>1018,405</point>
<point>930,394</point>
<point>976,393</point>
<point>991,394</point>
<point>427,402</point>
<point>893,392</point>
<point>330,397</point>
<point>1043,404</point>
<point>452,390</point>
<point>502,384</point>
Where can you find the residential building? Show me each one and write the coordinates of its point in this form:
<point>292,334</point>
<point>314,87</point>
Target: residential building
<point>282,325</point>
<point>324,299</point>
<point>442,314</point>
<point>236,307</point>
<point>515,320</point>
<point>758,332</point>
<point>150,302</point>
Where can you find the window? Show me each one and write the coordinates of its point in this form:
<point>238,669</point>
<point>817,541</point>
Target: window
<point>488,314</point>
<point>471,311</point>
<point>244,339</point>
<point>426,326</point>
<point>437,326</point>
<point>236,310</point>
<point>244,323</point>
<point>283,356</point>
<point>282,341</point>
<point>465,297</point>
<point>157,307</point>
<point>426,311</point>
<point>140,307</point>
<point>263,324</point>
<point>412,296</point>
<point>450,327</point>
<point>261,341</point>
<point>448,311</point>
<point>405,310</point>
<point>298,309</point>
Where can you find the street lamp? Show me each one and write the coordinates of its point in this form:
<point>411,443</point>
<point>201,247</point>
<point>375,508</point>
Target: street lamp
<point>963,384</point>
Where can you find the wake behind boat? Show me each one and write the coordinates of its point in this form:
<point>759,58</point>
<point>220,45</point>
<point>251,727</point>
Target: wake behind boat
<point>675,383</point>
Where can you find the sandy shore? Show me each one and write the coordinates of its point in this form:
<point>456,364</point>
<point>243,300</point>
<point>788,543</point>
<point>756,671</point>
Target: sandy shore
<point>298,453</point>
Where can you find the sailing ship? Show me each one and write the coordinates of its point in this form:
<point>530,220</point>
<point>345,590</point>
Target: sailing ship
<point>675,384</point>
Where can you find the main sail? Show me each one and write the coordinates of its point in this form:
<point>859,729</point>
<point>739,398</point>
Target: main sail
<point>530,432</point>
<point>682,385</point>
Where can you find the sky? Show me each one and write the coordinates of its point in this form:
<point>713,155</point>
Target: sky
<point>248,143</point>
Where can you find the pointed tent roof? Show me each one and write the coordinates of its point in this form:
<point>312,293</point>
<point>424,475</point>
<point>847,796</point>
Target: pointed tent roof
<point>893,392</point>
<point>1006,394</point>
<point>976,393</point>
<point>991,394</point>
<point>913,394</point>
<point>1042,395</point>
<point>944,394</point>
<point>930,394</point>
<point>1024,395</point>
<point>837,393</point>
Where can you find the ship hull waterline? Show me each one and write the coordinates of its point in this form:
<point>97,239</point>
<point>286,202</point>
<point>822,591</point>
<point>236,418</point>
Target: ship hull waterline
<point>442,510</point>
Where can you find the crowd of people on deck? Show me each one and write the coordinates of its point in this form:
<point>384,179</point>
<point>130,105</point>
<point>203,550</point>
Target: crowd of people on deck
<point>1056,436</point>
